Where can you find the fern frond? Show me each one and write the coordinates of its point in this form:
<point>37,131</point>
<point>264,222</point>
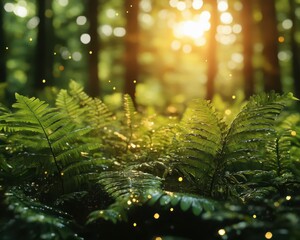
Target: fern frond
<point>122,184</point>
<point>69,106</point>
<point>77,91</point>
<point>84,109</point>
<point>198,205</point>
<point>114,213</point>
<point>35,122</point>
<point>201,142</point>
<point>34,220</point>
<point>248,135</point>
<point>99,116</point>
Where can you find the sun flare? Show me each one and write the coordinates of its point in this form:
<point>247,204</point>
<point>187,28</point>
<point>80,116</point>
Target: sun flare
<point>194,28</point>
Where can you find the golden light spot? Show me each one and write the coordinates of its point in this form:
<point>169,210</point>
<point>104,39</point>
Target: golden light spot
<point>171,209</point>
<point>46,172</point>
<point>70,57</point>
<point>30,39</point>
<point>276,204</point>
<point>84,153</point>
<point>171,109</point>
<point>228,112</point>
<point>62,174</point>
<point>101,212</point>
<point>158,238</point>
<point>281,39</point>
<point>129,202</point>
<point>254,216</point>
<point>133,200</point>
<point>268,235</point>
<point>294,133</point>
<point>221,232</point>
<point>44,81</point>
<point>90,52</point>
<point>117,14</point>
<point>187,28</point>
<point>134,224</point>
<point>54,53</point>
<point>131,145</point>
<point>180,179</point>
<point>233,97</point>
<point>156,216</point>
<point>114,88</point>
<point>149,196</point>
<point>288,198</point>
<point>134,81</point>
<point>6,48</point>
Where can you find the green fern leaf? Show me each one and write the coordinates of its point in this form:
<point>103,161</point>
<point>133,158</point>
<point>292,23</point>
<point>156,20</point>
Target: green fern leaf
<point>251,130</point>
<point>114,213</point>
<point>122,184</point>
<point>40,221</point>
<point>69,106</point>
<point>186,202</point>
<point>201,142</point>
<point>59,141</point>
<point>83,109</point>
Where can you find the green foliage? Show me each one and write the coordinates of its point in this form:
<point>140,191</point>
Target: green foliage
<point>217,157</point>
<point>196,204</point>
<point>33,220</point>
<point>112,165</point>
<point>50,142</point>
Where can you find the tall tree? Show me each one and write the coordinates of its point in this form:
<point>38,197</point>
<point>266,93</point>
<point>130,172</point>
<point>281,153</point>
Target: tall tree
<point>247,24</point>
<point>295,50</point>
<point>93,82</point>
<point>131,47</point>
<point>270,50</point>
<point>212,50</point>
<point>2,46</point>
<point>45,45</point>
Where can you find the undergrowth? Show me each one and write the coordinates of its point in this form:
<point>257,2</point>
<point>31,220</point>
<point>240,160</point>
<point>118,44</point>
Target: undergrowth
<point>77,170</point>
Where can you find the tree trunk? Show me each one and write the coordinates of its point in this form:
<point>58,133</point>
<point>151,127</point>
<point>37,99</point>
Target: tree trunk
<point>2,46</point>
<point>93,82</point>
<point>247,24</point>
<point>212,51</point>
<point>295,50</point>
<point>44,48</point>
<point>270,51</point>
<point>131,47</point>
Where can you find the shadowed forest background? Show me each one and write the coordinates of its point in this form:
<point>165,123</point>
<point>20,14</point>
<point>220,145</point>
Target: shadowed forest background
<point>163,53</point>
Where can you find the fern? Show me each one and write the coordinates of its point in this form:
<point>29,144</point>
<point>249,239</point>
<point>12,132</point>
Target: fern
<point>123,184</point>
<point>83,109</point>
<point>127,189</point>
<point>69,106</point>
<point>116,212</point>
<point>214,155</point>
<point>251,130</point>
<point>33,220</point>
<point>56,136</point>
<point>197,205</point>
